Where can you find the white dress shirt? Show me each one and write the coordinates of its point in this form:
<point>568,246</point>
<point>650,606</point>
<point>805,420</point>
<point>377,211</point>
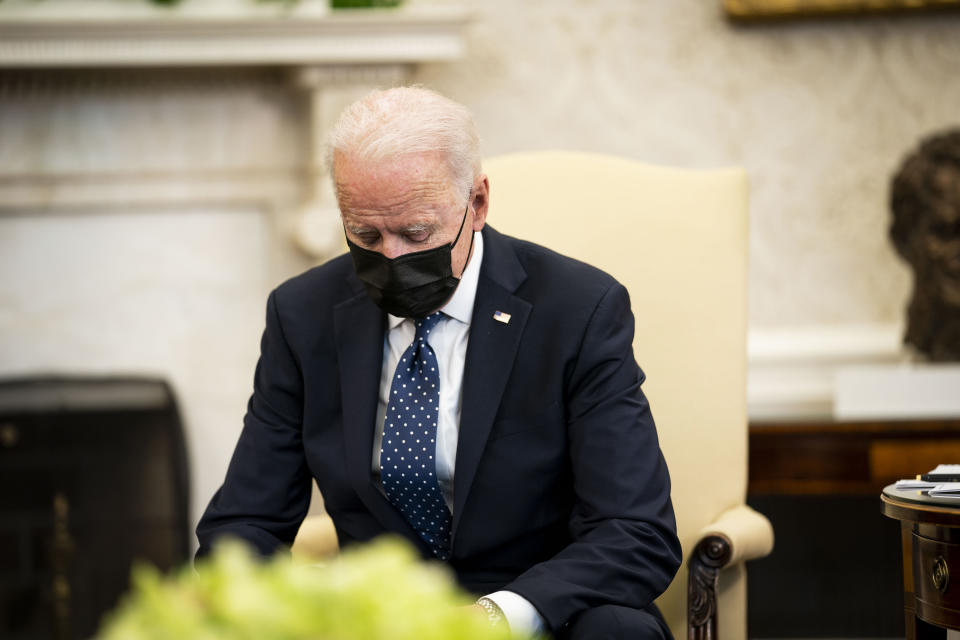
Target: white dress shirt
<point>449,343</point>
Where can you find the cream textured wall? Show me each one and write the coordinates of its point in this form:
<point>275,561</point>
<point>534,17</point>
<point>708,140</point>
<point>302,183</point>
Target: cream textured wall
<point>819,113</point>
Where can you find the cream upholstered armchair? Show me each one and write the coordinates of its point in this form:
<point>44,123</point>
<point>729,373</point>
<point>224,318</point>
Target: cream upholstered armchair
<point>677,239</point>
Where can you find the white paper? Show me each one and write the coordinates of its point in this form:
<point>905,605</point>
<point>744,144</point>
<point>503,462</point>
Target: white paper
<point>914,484</point>
<point>947,468</point>
<point>946,490</point>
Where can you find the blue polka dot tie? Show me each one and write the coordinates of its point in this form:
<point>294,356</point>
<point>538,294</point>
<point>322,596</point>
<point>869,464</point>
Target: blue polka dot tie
<point>408,466</point>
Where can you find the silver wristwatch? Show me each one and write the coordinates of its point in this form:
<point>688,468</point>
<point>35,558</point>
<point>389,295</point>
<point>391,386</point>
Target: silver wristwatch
<point>494,613</point>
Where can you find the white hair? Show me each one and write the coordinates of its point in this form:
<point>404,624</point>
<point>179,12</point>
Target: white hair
<point>406,120</point>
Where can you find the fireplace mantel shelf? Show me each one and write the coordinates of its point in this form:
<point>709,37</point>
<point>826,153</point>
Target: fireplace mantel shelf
<point>233,34</point>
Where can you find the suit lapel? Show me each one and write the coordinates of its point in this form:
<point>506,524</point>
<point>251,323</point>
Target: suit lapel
<point>491,351</point>
<point>359,328</point>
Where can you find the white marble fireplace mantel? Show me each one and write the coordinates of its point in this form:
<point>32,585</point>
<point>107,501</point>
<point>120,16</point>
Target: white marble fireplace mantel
<point>105,33</point>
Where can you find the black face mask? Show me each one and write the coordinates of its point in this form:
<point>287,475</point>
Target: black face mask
<point>412,285</point>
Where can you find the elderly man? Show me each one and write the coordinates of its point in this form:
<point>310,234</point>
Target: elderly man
<point>474,393</point>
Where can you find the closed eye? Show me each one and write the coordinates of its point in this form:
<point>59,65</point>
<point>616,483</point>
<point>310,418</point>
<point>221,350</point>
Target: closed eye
<point>367,238</point>
<point>417,235</point>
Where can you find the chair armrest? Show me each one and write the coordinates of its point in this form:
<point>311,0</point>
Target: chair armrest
<point>316,539</point>
<point>747,532</point>
<point>738,535</point>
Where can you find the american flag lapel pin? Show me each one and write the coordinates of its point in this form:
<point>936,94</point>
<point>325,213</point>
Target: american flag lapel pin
<point>500,316</point>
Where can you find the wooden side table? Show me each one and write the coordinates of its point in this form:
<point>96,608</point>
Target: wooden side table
<point>930,534</point>
<point>803,474</point>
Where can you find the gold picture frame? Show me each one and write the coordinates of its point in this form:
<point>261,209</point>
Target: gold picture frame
<point>772,9</point>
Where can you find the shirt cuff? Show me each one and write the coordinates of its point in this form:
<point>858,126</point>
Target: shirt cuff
<point>522,616</point>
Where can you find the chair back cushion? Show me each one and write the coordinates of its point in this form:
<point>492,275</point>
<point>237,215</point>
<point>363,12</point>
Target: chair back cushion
<point>677,239</point>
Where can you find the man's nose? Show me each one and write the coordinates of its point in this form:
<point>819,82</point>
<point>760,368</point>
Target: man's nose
<point>392,246</point>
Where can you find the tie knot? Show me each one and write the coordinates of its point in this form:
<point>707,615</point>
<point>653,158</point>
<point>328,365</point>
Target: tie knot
<point>425,325</point>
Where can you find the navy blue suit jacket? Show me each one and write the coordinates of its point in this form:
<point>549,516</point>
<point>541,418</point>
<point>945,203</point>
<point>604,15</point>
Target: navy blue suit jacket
<point>561,493</point>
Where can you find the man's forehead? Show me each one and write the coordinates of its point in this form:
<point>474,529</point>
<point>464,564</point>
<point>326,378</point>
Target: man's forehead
<point>417,175</point>
<point>406,168</point>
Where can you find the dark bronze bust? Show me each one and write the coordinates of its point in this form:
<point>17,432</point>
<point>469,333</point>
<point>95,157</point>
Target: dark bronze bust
<point>926,231</point>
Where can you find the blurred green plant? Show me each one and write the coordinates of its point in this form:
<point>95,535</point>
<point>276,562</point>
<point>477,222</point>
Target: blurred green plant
<point>377,592</point>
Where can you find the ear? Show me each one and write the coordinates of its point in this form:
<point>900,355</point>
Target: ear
<point>480,201</point>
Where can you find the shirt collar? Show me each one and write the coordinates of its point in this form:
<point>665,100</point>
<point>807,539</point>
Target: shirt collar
<point>460,305</point>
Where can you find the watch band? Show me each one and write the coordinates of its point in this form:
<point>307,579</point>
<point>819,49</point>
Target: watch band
<point>494,613</point>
